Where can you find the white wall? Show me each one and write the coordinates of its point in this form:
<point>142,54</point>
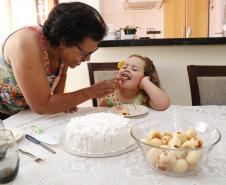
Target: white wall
<point>170,61</point>
<point>114,13</point>
<point>94,3</point>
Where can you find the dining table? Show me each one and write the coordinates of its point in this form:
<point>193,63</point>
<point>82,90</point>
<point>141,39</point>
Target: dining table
<point>130,168</point>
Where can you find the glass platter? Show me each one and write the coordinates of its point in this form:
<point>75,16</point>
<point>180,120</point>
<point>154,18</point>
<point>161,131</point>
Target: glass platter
<point>94,155</point>
<point>129,110</point>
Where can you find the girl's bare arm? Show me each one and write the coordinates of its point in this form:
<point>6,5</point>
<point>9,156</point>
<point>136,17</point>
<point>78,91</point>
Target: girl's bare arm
<point>158,99</point>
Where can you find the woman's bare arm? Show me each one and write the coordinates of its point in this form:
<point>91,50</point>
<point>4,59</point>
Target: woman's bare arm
<point>26,60</point>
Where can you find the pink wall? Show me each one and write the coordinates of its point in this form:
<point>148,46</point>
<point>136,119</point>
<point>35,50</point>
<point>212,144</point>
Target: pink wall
<point>114,13</point>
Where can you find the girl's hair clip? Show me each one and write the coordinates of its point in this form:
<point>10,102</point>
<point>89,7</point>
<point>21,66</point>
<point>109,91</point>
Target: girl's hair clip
<point>120,64</point>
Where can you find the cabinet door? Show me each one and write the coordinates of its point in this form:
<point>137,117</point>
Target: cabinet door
<point>174,18</point>
<point>197,17</point>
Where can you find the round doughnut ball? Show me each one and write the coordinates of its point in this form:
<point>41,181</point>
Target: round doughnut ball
<point>198,143</point>
<point>191,133</point>
<point>182,136</point>
<point>175,142</point>
<point>167,161</point>
<point>181,166</point>
<point>188,144</point>
<point>178,154</point>
<point>153,155</point>
<point>166,139</point>
<point>154,134</point>
<point>156,142</point>
<point>193,157</point>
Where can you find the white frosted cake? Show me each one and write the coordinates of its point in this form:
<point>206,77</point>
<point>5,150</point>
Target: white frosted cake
<point>98,133</point>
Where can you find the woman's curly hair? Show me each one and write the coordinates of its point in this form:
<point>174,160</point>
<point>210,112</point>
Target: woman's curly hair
<point>72,22</point>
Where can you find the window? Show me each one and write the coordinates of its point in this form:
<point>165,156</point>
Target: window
<point>15,14</point>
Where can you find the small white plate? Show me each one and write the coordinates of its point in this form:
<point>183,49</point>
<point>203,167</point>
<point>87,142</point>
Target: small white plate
<point>129,110</point>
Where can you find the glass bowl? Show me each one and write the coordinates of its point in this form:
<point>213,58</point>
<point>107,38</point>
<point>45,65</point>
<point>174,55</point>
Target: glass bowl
<point>169,157</point>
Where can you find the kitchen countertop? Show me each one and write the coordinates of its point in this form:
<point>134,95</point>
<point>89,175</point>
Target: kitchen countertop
<point>164,42</point>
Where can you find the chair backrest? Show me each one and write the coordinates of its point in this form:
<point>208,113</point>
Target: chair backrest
<point>207,84</point>
<point>101,71</point>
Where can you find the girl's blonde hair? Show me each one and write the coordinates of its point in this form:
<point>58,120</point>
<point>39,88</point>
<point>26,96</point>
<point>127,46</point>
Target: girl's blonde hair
<point>149,69</point>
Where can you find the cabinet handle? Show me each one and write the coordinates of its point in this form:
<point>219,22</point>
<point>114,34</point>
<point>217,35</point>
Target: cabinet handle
<point>189,32</point>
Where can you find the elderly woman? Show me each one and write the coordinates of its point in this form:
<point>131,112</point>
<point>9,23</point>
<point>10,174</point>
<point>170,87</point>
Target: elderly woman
<point>35,61</point>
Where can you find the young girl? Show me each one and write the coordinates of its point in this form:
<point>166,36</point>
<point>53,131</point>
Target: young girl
<point>138,84</point>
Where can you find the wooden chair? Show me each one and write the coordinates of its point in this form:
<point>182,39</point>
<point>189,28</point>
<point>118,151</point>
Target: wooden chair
<point>101,71</point>
<point>207,84</point>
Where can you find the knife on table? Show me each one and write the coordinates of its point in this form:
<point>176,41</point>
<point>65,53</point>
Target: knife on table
<point>36,141</point>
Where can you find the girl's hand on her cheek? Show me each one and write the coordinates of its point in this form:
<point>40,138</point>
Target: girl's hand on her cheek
<point>143,80</point>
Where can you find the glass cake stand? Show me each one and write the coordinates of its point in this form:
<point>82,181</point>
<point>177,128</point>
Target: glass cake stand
<point>67,149</point>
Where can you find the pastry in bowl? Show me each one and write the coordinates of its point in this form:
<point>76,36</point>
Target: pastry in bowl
<point>175,148</point>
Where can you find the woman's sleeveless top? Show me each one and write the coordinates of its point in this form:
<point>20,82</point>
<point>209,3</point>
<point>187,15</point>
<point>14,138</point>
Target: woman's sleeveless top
<point>113,99</point>
<point>11,97</point>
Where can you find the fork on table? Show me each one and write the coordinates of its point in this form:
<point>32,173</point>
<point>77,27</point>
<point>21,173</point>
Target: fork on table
<point>36,159</point>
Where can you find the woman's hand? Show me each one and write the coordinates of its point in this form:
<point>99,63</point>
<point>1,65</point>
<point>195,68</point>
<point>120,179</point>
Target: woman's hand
<point>103,88</point>
<point>71,110</point>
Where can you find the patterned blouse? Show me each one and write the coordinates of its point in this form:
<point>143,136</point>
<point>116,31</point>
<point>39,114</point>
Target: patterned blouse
<point>11,98</point>
<point>112,99</point>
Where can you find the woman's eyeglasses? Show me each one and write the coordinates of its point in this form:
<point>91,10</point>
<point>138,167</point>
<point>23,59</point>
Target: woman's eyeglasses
<point>83,53</point>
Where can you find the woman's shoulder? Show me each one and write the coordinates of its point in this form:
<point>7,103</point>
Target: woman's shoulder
<point>24,39</point>
<point>25,35</point>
